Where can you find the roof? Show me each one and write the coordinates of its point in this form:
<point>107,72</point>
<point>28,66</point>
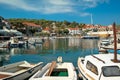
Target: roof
<point>31,24</point>
<point>98,26</point>
<point>47,29</point>
<point>74,28</point>
<point>102,59</point>
<point>88,26</point>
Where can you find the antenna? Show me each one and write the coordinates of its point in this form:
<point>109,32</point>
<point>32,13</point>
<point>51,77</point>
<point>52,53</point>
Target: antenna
<point>91,19</point>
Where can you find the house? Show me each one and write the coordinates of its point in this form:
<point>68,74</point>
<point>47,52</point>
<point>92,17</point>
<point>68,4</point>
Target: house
<point>74,31</point>
<point>98,30</point>
<point>32,27</point>
<point>46,30</point>
<point>29,24</point>
<point>88,27</point>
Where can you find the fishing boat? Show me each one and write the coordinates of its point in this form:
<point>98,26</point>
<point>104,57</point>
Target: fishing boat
<point>100,66</point>
<point>19,70</point>
<point>56,71</point>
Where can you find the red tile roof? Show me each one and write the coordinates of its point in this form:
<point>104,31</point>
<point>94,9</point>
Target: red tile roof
<point>47,29</point>
<point>91,26</point>
<point>31,24</point>
<point>74,28</point>
<point>88,26</point>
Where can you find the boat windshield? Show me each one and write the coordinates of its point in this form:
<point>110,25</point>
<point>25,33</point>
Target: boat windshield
<point>110,71</point>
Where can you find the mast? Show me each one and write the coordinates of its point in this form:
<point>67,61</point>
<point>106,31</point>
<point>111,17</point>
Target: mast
<point>91,19</point>
<point>115,43</point>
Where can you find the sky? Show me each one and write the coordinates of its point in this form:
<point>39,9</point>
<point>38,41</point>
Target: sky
<point>103,12</point>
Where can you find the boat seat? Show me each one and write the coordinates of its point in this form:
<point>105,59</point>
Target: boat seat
<point>5,74</point>
<point>53,64</point>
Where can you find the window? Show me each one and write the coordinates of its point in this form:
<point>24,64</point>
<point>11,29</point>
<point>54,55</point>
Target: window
<point>92,67</point>
<point>110,71</point>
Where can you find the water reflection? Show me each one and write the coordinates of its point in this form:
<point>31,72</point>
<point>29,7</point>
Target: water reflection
<point>69,48</point>
<point>4,56</point>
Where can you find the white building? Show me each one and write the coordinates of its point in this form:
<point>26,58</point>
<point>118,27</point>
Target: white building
<point>74,31</point>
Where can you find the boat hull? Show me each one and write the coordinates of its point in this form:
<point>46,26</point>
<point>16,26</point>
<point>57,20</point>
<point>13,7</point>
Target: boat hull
<point>26,74</point>
<point>80,70</point>
<point>90,37</point>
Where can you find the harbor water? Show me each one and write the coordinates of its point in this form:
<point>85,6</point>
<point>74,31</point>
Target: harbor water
<point>69,48</point>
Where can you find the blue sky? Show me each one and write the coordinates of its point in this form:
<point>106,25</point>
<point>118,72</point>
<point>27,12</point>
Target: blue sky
<point>104,12</point>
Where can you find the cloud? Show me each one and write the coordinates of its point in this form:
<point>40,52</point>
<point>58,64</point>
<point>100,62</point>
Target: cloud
<point>53,6</point>
<point>60,2</point>
<point>91,3</point>
<point>18,4</point>
<point>56,6</point>
<point>43,6</point>
<point>85,14</point>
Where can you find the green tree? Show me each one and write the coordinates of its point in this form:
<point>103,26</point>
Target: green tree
<point>66,31</point>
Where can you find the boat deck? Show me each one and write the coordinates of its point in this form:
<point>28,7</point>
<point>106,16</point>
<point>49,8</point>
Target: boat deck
<point>14,70</point>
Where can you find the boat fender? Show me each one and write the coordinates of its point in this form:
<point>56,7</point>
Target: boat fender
<point>31,70</point>
<point>76,68</point>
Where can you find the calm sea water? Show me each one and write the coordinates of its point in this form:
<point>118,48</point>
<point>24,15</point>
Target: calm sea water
<point>69,48</point>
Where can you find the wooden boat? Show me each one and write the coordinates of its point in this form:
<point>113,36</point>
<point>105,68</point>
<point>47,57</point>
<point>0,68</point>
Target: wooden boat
<point>56,71</point>
<point>100,66</point>
<point>18,71</point>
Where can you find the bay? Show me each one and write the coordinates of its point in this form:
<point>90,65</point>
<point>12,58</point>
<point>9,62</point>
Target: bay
<point>69,48</point>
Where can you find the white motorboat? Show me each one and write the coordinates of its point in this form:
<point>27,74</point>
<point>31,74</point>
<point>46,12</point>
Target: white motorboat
<point>56,71</point>
<point>19,71</point>
<point>100,66</point>
<point>15,42</point>
<point>103,44</point>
